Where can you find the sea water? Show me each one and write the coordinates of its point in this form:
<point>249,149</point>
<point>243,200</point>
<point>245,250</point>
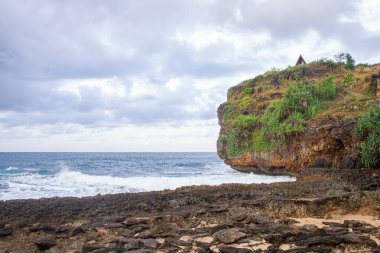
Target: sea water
<point>39,175</point>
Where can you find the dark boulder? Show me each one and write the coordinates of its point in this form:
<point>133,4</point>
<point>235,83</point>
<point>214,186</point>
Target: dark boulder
<point>76,231</point>
<point>45,243</point>
<point>5,232</point>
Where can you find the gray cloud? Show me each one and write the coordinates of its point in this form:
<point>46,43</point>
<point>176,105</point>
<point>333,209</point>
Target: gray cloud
<point>45,43</point>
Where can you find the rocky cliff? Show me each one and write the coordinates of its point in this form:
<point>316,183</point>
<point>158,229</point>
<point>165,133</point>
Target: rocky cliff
<point>301,117</point>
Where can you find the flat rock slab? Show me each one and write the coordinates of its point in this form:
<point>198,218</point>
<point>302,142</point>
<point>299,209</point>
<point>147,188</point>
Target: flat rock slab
<point>230,235</point>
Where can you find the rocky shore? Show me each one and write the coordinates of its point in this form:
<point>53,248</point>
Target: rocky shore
<point>313,214</point>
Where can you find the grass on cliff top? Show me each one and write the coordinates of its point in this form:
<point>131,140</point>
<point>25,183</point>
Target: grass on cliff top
<point>282,102</point>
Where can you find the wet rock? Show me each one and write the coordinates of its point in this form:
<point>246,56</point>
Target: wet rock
<point>146,235</point>
<point>310,227</point>
<point>321,240</point>
<point>45,243</point>
<point>320,249</point>
<point>261,220</point>
<point>76,231</point>
<point>220,209</point>
<point>356,224</point>
<point>135,221</point>
<point>335,230</point>
<point>149,243</point>
<point>113,225</point>
<point>370,243</point>
<point>92,247</point>
<point>103,250</point>
<point>298,250</point>
<point>138,251</point>
<point>274,238</point>
<point>132,245</point>
<point>5,232</point>
<point>239,217</point>
<point>351,238</point>
<point>234,250</point>
<point>230,235</point>
<point>47,229</point>
<point>219,227</point>
<point>364,230</point>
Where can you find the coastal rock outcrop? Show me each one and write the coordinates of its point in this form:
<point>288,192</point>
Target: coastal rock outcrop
<point>283,122</point>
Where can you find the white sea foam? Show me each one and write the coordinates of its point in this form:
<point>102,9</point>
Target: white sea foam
<point>74,183</point>
<point>11,168</point>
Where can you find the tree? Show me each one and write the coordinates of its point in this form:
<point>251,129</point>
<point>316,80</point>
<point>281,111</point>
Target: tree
<point>350,62</point>
<point>345,59</point>
<point>340,58</point>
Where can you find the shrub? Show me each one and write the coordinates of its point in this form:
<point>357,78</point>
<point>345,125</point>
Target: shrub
<point>327,89</point>
<point>368,127</point>
<point>247,91</point>
<point>228,112</point>
<point>261,143</point>
<point>348,79</point>
<point>302,98</point>
<point>245,122</point>
<point>235,145</point>
<point>238,138</point>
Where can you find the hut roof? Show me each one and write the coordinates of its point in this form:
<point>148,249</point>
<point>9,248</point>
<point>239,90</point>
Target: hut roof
<point>300,60</point>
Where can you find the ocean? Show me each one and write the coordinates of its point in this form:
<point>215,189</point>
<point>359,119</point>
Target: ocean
<point>41,175</point>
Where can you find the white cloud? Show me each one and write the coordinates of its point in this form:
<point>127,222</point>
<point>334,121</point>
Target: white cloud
<point>190,136</point>
<point>367,15</point>
<point>203,37</point>
<point>173,84</point>
<point>129,75</point>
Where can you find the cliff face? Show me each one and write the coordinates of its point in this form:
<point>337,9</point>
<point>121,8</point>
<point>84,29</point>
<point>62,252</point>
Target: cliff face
<point>269,123</point>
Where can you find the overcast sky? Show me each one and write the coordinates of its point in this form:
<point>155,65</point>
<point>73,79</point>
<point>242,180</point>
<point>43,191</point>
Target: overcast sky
<point>139,75</point>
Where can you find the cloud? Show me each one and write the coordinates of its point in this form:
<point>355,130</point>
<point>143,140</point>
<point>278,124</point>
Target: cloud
<point>104,65</point>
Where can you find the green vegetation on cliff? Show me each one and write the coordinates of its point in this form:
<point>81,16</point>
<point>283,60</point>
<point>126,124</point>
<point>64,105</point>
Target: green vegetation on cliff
<point>287,116</point>
<point>368,127</point>
<point>265,112</point>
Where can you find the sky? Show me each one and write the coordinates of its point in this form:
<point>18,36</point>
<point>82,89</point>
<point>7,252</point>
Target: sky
<point>139,75</point>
